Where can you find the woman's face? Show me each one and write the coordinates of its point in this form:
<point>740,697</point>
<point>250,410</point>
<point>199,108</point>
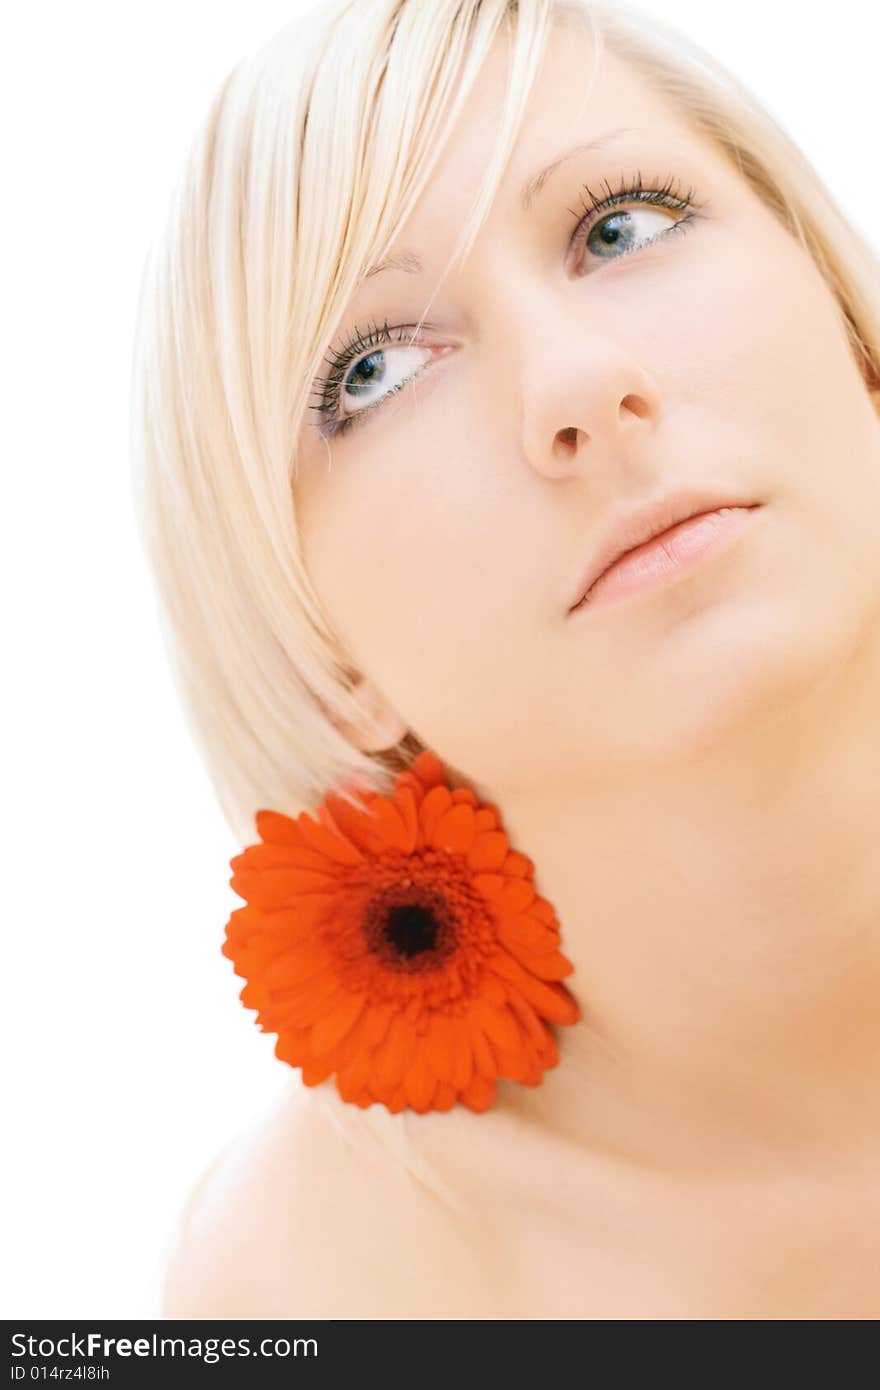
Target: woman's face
<point>566,379</point>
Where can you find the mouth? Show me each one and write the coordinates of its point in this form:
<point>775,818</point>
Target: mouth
<point>648,547</point>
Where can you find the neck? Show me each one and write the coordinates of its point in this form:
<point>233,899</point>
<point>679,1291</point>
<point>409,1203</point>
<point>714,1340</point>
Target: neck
<point>723,920</point>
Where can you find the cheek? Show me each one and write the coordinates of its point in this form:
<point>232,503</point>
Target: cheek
<point>398,543</point>
<point>768,359</point>
<point>797,420</point>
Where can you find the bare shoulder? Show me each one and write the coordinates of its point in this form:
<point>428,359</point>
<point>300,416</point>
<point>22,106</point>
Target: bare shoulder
<point>309,1216</point>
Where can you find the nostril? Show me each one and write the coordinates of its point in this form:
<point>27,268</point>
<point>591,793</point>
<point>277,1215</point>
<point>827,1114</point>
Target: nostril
<point>637,404</point>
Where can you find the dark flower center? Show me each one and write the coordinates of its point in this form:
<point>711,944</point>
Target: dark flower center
<point>411,929</point>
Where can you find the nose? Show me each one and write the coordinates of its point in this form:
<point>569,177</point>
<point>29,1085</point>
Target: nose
<point>584,400</point>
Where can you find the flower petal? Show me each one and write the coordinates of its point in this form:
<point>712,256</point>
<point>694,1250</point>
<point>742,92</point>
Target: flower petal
<point>304,1010</point>
<point>532,1026</point>
<point>292,1047</point>
<point>392,1056</point>
<point>278,829</point>
<point>406,805</point>
<point>392,829</point>
<point>479,1094</point>
<point>391,1096</point>
<point>271,888</point>
<point>516,895</point>
<point>497,1023</point>
<point>433,808</point>
<point>488,852</point>
<point>550,1053</point>
<point>484,1057</point>
<point>351,1078</point>
<point>353,1044</point>
<point>490,885</point>
<point>301,962</point>
<point>522,931</point>
<point>330,1030</point>
<point>543,910</point>
<point>334,847</point>
<point>493,989</point>
<point>376,1023</point>
<point>254,995</point>
<point>455,830</point>
<point>550,1000</point>
<point>518,865</point>
<point>440,1046</point>
<point>549,966</point>
<point>314,1072</point>
<point>445,1096</point>
<point>268,856</point>
<point>463,1055</point>
<point>428,769</point>
<point>362,828</point>
<point>465,794</point>
<point>419,1082</point>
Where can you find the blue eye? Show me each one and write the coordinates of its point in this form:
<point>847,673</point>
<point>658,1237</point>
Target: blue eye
<point>617,234</point>
<point>355,375</point>
<point>375,375</point>
<point>619,229</point>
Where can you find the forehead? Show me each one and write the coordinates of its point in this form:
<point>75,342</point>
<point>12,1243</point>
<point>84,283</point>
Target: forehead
<point>569,103</point>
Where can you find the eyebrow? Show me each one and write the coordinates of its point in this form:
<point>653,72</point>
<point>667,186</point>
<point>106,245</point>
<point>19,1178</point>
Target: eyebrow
<point>408,261</point>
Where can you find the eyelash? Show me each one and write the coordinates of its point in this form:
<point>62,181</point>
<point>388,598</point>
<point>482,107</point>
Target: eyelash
<point>669,195</point>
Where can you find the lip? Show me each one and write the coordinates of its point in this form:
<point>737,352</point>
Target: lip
<point>632,529</point>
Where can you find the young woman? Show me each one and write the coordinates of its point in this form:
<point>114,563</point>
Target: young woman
<point>460,305</point>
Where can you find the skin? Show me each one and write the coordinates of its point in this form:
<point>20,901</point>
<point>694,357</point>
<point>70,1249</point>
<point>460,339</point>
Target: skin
<point>693,770</point>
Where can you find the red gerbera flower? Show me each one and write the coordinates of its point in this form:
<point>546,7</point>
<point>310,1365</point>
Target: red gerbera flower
<point>403,948</point>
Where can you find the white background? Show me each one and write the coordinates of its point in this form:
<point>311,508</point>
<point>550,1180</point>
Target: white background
<point>128,1059</point>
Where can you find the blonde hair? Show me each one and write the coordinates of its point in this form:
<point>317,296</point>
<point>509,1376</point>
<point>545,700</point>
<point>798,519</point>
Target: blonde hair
<point>313,154</point>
